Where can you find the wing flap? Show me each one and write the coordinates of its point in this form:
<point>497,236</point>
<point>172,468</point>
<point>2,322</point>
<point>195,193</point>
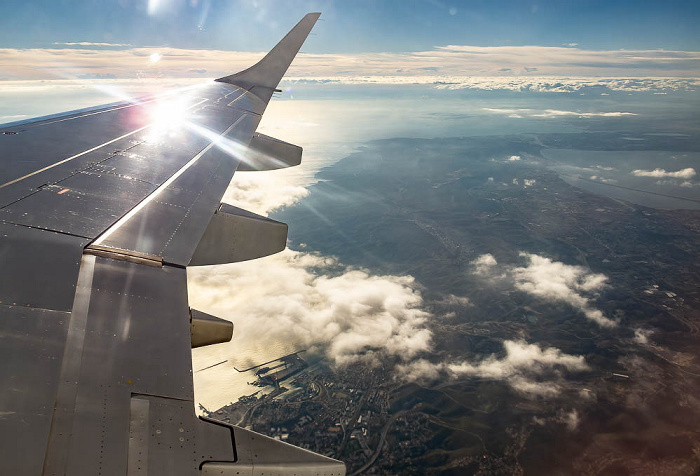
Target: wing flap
<point>259,455</point>
<point>129,353</point>
<point>31,347</point>
<point>31,260</point>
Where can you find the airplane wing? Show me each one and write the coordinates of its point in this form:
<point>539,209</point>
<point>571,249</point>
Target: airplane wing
<point>101,212</point>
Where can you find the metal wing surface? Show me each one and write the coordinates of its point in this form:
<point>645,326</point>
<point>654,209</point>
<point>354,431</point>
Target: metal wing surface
<point>101,212</point>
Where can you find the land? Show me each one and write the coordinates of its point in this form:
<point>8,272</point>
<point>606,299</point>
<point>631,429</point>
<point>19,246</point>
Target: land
<point>428,208</point>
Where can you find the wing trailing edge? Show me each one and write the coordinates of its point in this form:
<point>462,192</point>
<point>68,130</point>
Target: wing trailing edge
<point>268,153</point>
<point>262,78</point>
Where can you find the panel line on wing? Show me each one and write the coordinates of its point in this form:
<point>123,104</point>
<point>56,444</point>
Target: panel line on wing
<point>87,151</point>
<point>42,228</point>
<point>47,122</point>
<point>160,189</point>
<point>73,157</point>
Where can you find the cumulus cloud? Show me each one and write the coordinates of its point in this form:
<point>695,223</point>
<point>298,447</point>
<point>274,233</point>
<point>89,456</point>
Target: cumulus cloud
<point>484,263</point>
<point>570,419</point>
<point>514,158</point>
<point>555,281</point>
<point>641,336</point>
<point>527,368</point>
<point>661,173</point>
<point>262,193</point>
<point>551,281</point>
<point>307,301</point>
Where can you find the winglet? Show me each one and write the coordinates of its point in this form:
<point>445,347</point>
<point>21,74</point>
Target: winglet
<point>262,78</point>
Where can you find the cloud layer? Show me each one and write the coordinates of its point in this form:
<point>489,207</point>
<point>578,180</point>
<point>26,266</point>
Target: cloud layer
<point>505,67</point>
<point>553,83</point>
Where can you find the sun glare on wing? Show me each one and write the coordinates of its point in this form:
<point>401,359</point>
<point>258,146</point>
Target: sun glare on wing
<point>231,147</point>
<point>167,115</point>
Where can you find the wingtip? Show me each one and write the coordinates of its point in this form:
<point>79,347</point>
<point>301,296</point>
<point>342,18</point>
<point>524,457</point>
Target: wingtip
<point>267,73</point>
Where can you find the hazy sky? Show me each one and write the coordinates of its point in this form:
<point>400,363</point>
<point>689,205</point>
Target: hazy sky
<point>62,39</point>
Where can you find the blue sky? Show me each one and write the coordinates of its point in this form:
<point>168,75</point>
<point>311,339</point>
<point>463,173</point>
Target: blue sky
<point>353,26</point>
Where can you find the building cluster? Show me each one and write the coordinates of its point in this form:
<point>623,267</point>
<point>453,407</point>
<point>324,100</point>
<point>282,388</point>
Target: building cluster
<point>345,416</point>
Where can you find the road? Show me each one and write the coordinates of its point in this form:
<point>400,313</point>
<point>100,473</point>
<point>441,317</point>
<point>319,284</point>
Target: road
<point>385,431</point>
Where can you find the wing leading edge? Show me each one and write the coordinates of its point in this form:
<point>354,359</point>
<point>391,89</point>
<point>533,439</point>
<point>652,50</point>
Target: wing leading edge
<point>101,211</point>
<point>262,78</point>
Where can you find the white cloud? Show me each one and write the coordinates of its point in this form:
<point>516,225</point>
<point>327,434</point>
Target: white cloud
<point>420,370</point>
<point>558,282</point>
<point>553,113</point>
<point>527,368</point>
<point>641,336</point>
<point>514,158</point>
<point>661,173</point>
<point>600,179</point>
<point>263,192</point>
<point>553,84</point>
<point>484,263</point>
<point>12,117</point>
<point>305,300</point>
<point>551,281</point>
<point>90,43</point>
<point>458,301</point>
<point>570,419</point>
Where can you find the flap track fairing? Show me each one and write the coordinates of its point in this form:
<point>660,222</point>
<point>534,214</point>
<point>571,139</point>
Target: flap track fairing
<point>235,235</point>
<point>206,329</point>
<point>268,153</point>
